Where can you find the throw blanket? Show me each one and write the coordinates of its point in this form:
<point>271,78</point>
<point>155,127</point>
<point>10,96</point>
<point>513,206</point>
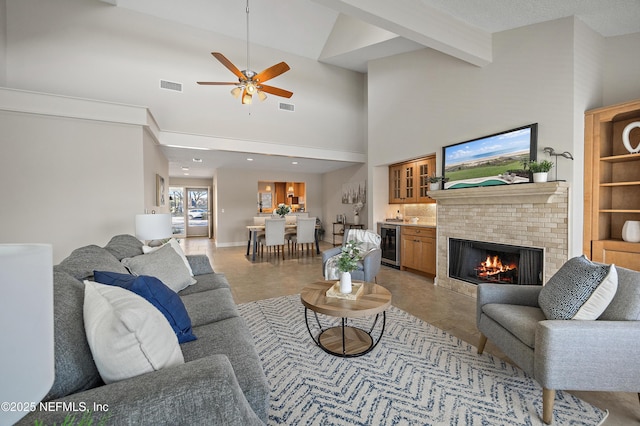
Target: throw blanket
<point>369,241</point>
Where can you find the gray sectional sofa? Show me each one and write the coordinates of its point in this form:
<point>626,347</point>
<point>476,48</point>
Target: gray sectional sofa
<point>220,383</point>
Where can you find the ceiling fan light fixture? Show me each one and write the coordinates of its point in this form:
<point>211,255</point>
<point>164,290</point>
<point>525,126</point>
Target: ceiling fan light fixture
<point>251,87</point>
<point>249,82</point>
<point>236,91</point>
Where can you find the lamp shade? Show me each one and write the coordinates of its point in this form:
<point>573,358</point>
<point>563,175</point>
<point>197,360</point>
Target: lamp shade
<point>26,314</point>
<point>153,226</point>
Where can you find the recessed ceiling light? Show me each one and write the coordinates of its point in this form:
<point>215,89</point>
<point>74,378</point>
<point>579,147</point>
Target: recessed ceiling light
<point>249,159</point>
<point>185,168</point>
<point>197,160</point>
<point>186,174</point>
<point>294,162</point>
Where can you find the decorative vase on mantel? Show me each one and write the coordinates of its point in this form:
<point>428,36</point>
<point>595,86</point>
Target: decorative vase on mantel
<point>356,219</point>
<point>631,231</point>
<point>345,283</point>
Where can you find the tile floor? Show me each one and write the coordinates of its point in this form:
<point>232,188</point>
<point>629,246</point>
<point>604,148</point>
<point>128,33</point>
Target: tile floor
<point>272,277</point>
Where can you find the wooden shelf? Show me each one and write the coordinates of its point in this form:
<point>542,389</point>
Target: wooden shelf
<point>621,158</point>
<point>611,185</point>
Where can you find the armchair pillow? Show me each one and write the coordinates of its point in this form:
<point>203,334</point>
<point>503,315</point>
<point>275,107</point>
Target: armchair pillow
<point>159,295</point>
<point>127,335</point>
<point>164,264</point>
<point>580,290</point>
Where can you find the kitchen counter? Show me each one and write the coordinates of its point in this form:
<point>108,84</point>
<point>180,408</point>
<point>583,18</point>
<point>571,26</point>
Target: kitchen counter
<point>419,224</point>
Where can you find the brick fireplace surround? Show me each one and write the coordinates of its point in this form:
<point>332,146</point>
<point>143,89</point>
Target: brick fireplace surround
<point>530,215</point>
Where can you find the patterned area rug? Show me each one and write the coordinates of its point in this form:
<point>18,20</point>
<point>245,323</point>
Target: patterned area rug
<point>417,375</point>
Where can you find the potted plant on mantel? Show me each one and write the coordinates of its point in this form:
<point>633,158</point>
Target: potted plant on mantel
<point>434,182</point>
<point>540,170</point>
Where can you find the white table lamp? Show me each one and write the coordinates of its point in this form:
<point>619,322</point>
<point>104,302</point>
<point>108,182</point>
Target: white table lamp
<point>26,314</point>
<point>151,227</point>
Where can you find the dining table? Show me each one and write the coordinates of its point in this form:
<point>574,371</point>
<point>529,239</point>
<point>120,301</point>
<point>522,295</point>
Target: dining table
<point>254,230</point>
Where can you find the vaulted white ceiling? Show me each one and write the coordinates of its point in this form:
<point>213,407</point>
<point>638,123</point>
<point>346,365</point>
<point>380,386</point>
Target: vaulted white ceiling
<point>350,33</point>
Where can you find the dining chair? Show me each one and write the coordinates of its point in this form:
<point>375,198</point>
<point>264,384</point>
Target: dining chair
<point>273,236</point>
<point>305,234</point>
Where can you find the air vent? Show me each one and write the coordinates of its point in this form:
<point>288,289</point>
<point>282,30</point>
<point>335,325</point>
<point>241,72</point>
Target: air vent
<point>171,85</point>
<point>286,107</point>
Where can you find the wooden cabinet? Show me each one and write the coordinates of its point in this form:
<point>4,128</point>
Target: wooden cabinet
<point>611,184</point>
<point>418,249</point>
<point>409,181</point>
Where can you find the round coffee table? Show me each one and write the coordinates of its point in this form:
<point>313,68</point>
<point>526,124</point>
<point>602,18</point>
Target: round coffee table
<point>345,340</point>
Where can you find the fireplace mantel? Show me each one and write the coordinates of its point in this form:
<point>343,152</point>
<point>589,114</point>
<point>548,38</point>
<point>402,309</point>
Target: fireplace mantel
<point>523,193</point>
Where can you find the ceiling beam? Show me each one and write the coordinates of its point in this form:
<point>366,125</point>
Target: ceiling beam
<point>414,20</point>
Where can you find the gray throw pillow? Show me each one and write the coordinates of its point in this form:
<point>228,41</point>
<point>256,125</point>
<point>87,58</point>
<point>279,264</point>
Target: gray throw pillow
<point>580,290</point>
<point>164,264</point>
<point>84,260</point>
<point>74,366</point>
<point>122,246</point>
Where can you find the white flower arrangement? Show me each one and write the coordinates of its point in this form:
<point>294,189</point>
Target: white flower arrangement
<point>282,209</point>
<point>357,207</point>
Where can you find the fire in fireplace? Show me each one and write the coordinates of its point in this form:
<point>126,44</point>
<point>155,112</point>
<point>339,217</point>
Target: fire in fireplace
<point>481,262</point>
<point>494,270</point>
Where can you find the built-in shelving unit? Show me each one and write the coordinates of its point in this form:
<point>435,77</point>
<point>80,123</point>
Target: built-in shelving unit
<point>611,184</point>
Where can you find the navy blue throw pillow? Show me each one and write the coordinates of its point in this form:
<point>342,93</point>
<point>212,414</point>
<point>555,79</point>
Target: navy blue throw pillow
<point>158,294</point>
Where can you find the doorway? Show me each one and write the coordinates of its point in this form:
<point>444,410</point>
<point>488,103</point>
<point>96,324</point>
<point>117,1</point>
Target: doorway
<point>190,212</point>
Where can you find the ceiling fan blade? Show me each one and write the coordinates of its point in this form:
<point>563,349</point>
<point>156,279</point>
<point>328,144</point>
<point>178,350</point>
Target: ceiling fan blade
<point>276,91</point>
<point>271,72</point>
<point>227,63</point>
<point>215,83</point>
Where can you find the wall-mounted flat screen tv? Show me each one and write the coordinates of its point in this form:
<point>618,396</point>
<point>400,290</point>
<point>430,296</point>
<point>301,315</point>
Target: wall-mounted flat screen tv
<point>496,159</point>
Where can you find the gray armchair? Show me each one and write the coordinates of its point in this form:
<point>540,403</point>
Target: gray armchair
<point>369,266</point>
<point>600,355</point>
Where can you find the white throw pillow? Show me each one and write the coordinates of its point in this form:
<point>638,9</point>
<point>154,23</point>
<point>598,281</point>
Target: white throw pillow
<point>176,246</point>
<point>128,336</point>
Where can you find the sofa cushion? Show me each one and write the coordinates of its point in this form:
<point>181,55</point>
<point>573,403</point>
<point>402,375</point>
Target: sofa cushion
<point>122,246</point>
<point>519,320</point>
<point>164,264</point>
<point>231,337</point>
<point>127,335</point>
<point>84,260</point>
<point>580,290</point>
<point>206,282</point>
<point>159,295</point>
<point>625,305</point>
<point>210,306</point>
<point>74,366</point>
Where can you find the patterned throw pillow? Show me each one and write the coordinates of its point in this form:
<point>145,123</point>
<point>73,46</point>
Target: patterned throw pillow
<point>580,290</point>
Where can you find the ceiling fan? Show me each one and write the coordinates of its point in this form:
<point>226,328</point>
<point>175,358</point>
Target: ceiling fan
<point>249,82</point>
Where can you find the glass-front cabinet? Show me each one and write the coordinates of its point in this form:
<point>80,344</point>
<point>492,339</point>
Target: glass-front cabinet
<point>409,181</point>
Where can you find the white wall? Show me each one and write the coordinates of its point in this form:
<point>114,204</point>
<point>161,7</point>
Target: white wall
<point>90,49</point>
<point>237,201</point>
<point>155,163</point>
<point>621,65</point>
<point>3,42</point>
<point>531,79</point>
<point>332,197</point>
<point>69,182</point>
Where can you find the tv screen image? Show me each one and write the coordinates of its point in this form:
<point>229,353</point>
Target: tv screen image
<point>496,159</point>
